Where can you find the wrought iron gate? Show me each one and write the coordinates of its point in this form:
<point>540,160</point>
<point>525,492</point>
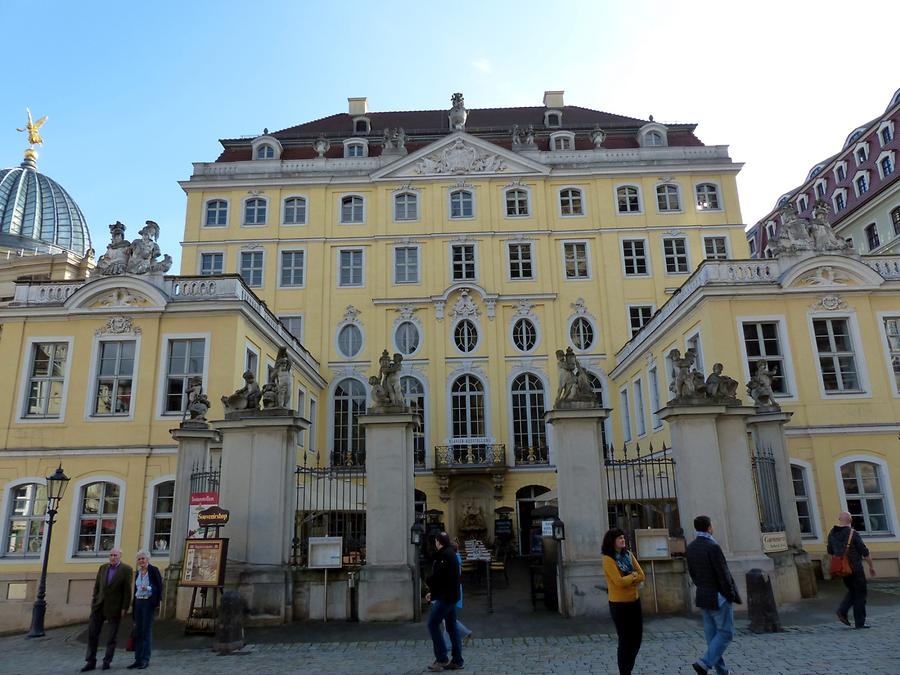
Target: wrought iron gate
<point>641,489</point>
<point>765,480</point>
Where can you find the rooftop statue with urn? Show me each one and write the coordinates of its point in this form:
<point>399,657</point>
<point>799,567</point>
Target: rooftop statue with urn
<point>458,112</point>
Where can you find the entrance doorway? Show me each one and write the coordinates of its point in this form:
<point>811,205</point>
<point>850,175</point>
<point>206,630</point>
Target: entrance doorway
<point>529,537</point>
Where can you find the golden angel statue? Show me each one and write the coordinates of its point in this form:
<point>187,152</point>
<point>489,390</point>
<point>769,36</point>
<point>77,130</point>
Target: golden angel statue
<point>34,138</point>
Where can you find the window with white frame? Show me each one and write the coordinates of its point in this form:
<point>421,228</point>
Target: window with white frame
<point>802,497</point>
<point>462,204</point>
<point>634,254</point>
<point>520,262</point>
<point>694,343</point>
<point>872,238</point>
<point>313,411</point>
<point>628,199</point>
<point>751,243</point>
<point>265,151</point>
<point>638,316</point>
<point>802,203</point>
<point>462,262</point>
<point>862,183</point>
<point>571,202</point>
<point>715,248</point>
<point>184,362</point>
<point>163,510</point>
<point>597,388</point>
<point>667,198</point>
<point>892,334</point>
<point>524,335</point>
<point>292,269</point>
<point>576,260</point>
<point>252,268</point>
<point>350,267</point>
<point>654,397</point>
<point>467,407</point>
<point>361,125</point>
<point>406,265</point>
<point>886,164</point>
<point>112,383</point>
<point>581,332</point>
<point>355,150</point>
<point>98,519</point>
<point>820,189</point>
<point>293,324</point>
<point>465,336</point>
<point>840,200</point>
<point>407,337</point>
<point>25,520</point>
<point>529,428</point>
<point>350,340</point>
<point>653,139</point>
<point>562,141</point>
<point>626,415</point>
<point>863,487</point>
<point>516,202</point>
<point>895,220</point>
<point>763,343</point>
<point>216,213</point>
<point>414,395</point>
<point>406,206</point>
<point>295,211</point>
<point>211,263</point>
<point>251,361</point>
<point>640,413</point>
<point>837,357</point>
<point>46,379</point>
<point>861,153</point>
<point>352,209</point>
<point>301,411</point>
<point>707,197</point>
<point>675,253</point>
<point>886,133</point>
<point>552,119</point>
<point>840,171</point>
<point>349,447</point>
<point>255,211</point>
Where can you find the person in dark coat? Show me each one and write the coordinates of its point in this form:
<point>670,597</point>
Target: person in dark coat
<point>147,596</point>
<point>443,594</point>
<point>716,595</point>
<point>856,582</point>
<point>109,602</point>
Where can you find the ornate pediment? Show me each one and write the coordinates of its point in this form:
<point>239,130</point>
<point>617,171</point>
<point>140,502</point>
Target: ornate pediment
<point>118,325</point>
<point>120,297</point>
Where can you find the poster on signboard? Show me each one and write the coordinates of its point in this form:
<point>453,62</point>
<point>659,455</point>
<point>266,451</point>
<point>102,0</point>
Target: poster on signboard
<point>199,502</point>
<point>204,562</point>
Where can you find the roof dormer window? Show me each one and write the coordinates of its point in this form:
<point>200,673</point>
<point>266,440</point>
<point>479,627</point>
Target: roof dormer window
<point>266,147</point>
<point>886,132</point>
<point>861,152</point>
<point>362,125</point>
<point>356,147</point>
<point>265,151</point>
<point>653,135</point>
<point>562,140</point>
<point>840,171</point>
<point>553,119</point>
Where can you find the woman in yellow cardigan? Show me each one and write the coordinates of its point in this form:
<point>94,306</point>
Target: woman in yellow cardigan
<point>623,576</point>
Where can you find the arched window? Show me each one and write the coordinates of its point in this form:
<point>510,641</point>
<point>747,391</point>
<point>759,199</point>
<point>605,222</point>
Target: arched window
<point>628,199</point>
<point>295,211</point>
<point>349,440</point>
<point>516,202</point>
<point>653,138</point>
<point>355,150</point>
<point>352,209</point>
<point>350,340</point>
<point>255,212</point>
<point>581,333</point>
<point>863,486</point>
<point>25,520</point>
<point>465,336</point>
<point>467,399</point>
<point>667,198</point>
<point>98,518</point>
<point>895,220</point>
<point>597,387</point>
<point>216,213</point>
<point>163,508</point>
<point>265,151</point>
<point>707,197</point>
<point>571,203</point>
<point>414,395</point>
<point>407,338</point>
<point>461,204</point>
<point>529,431</point>
<point>406,206</point>
<point>524,335</point>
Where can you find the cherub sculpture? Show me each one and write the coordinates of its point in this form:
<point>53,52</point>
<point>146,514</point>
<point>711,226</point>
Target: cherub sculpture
<point>245,398</point>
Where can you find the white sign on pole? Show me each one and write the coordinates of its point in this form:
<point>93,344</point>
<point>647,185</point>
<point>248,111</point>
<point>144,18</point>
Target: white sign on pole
<point>546,528</point>
<point>325,553</point>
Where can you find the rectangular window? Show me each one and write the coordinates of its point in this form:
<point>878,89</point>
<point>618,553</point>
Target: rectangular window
<point>351,268</point>
<point>294,325</point>
<point>640,415</point>
<point>886,135</point>
<point>462,262</point>
<point>892,332</point>
<point>841,173</point>
<point>98,519</point>
<point>576,260</point>
<point>301,411</point>
<point>184,362</point>
<point>654,398</point>
<point>406,265</point>
<point>638,315</point>
<point>837,360</point>
<point>163,508</point>
<point>252,268</point>
<point>716,248</point>
<point>694,343</point>
<point>635,254</point>
<point>461,204</point>
<point>211,263</point>
<point>46,381</point>
<point>251,362</point>
<point>820,190</point>
<point>520,264</point>
<point>675,251</point>
<point>801,495</point>
<point>115,369</point>
<point>626,415</point>
<point>762,342</point>
<point>839,202</point>
<point>312,425</point>
<point>292,265</point>
<point>872,238</point>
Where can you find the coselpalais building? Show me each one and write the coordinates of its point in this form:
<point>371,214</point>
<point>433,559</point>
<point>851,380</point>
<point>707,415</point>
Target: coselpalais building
<point>474,243</point>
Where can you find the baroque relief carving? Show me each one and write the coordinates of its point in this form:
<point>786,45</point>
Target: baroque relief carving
<point>121,297</point>
<point>118,325</point>
<point>351,314</point>
<point>824,276</point>
<point>465,307</point>
<point>829,303</point>
<point>460,158</point>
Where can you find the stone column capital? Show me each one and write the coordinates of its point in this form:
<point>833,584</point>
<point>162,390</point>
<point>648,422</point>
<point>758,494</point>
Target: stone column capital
<point>197,432</point>
<point>779,416</point>
<point>565,414</point>
<point>397,419</point>
<point>260,420</point>
<point>705,410</point>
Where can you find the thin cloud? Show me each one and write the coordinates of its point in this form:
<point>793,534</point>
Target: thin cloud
<point>482,65</point>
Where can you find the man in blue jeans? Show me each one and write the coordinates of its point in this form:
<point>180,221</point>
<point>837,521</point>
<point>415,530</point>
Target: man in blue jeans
<point>716,596</point>
<point>443,586</point>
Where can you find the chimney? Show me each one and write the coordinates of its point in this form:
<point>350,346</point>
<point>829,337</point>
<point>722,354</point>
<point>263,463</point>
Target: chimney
<point>553,99</point>
<point>358,105</point>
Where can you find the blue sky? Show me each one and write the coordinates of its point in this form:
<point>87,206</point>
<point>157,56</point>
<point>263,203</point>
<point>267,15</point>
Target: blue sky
<point>135,92</point>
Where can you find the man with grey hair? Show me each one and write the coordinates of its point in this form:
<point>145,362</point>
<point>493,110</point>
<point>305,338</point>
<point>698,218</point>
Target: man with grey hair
<point>109,602</point>
<point>843,539</point>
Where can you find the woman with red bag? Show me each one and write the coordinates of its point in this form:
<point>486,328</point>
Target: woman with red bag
<point>845,542</point>
<point>147,596</point>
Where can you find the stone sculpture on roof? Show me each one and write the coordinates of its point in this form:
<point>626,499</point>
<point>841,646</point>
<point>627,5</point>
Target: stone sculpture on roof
<point>801,234</point>
<point>245,398</point>
<point>458,112</point>
<point>137,257</point>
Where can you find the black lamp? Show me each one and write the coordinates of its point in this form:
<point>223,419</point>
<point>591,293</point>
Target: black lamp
<point>559,530</point>
<point>416,532</point>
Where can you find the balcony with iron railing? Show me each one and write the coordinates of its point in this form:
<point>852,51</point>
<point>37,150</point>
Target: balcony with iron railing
<point>470,456</point>
<point>536,455</point>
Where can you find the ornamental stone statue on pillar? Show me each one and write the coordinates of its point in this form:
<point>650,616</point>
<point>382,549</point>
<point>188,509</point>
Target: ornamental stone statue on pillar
<point>691,388</point>
<point>760,388</point>
<point>387,395</point>
<point>575,390</point>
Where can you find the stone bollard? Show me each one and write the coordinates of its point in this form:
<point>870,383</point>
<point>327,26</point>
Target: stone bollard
<point>761,603</point>
<point>230,624</point>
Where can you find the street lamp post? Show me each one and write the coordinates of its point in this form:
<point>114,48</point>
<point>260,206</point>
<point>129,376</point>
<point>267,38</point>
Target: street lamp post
<point>416,534</point>
<point>559,535</point>
<point>56,487</point>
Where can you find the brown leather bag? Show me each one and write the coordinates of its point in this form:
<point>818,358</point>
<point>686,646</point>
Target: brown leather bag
<point>840,564</point>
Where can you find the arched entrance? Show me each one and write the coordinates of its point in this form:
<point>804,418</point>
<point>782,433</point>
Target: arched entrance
<point>526,498</point>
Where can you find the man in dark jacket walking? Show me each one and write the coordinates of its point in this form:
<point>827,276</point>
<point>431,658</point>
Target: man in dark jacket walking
<point>716,595</point>
<point>840,535</point>
<point>443,586</point>
<point>110,602</point>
